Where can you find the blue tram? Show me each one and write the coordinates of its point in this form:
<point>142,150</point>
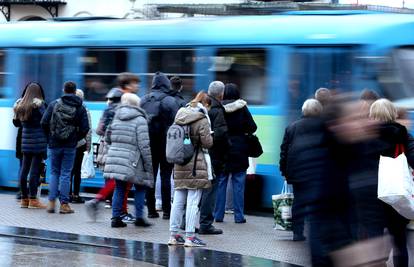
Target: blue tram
<point>277,61</point>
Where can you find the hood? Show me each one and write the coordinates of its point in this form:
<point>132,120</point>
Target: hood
<point>393,132</point>
<point>72,100</point>
<point>37,102</point>
<point>188,115</point>
<point>232,106</point>
<point>161,82</point>
<point>127,112</point>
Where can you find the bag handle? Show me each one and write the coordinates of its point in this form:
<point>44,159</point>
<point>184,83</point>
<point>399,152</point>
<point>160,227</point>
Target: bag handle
<point>285,188</point>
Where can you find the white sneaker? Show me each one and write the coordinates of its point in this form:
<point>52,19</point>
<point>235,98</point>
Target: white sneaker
<point>194,242</point>
<point>176,240</point>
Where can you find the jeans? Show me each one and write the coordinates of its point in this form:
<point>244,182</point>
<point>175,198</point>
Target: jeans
<point>61,159</point>
<point>188,199</point>
<point>208,201</point>
<point>31,163</point>
<point>229,196</point>
<point>238,180</point>
<point>119,196</point>
<point>76,171</point>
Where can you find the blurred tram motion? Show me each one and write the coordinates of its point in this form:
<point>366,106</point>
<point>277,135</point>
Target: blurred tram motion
<point>277,61</point>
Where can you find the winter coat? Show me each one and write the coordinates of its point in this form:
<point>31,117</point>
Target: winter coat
<point>129,156</point>
<point>200,136</point>
<point>239,123</point>
<point>80,121</point>
<point>33,137</point>
<point>106,119</point>
<point>19,154</point>
<point>88,139</point>
<point>219,150</point>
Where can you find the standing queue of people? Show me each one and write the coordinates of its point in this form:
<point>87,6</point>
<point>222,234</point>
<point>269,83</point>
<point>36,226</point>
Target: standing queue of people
<point>133,150</point>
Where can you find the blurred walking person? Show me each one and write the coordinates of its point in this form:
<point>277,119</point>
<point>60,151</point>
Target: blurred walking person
<point>240,123</point>
<point>190,179</point>
<point>129,158</point>
<point>28,114</point>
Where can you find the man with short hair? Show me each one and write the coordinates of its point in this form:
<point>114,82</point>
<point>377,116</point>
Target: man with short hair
<point>218,155</point>
<point>323,95</point>
<point>65,122</point>
<point>177,87</point>
<point>128,82</point>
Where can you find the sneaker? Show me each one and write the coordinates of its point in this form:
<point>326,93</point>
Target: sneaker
<point>128,218</point>
<point>77,200</point>
<point>36,204</point>
<point>176,240</point>
<point>51,206</point>
<point>141,222</point>
<point>117,222</point>
<point>211,231</point>
<point>65,209</point>
<point>92,208</point>
<point>108,204</point>
<point>24,203</point>
<point>242,221</point>
<point>194,242</point>
<point>153,215</point>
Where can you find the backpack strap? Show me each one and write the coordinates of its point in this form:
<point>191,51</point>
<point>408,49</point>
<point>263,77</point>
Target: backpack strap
<point>194,171</point>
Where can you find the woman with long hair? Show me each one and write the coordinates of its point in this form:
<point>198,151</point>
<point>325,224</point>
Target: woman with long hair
<point>28,114</point>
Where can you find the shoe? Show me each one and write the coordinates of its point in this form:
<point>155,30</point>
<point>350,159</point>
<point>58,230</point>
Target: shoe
<point>92,208</point>
<point>242,221</point>
<point>108,204</point>
<point>36,204</point>
<point>142,222</point>
<point>51,206</point>
<point>219,221</point>
<point>24,203</point>
<point>298,237</point>
<point>65,209</point>
<point>117,223</point>
<point>176,240</point>
<point>194,242</point>
<point>127,218</point>
<point>165,216</point>
<point>211,231</point>
<point>77,200</point>
<point>153,215</point>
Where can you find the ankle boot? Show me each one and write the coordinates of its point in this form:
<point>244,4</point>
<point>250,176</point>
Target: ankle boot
<point>65,209</point>
<point>24,203</point>
<point>36,204</point>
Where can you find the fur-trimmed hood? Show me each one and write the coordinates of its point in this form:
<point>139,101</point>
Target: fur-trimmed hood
<point>234,105</point>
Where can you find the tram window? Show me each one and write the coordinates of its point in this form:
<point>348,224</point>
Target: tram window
<point>2,73</point>
<point>244,67</point>
<point>101,67</point>
<point>173,62</point>
<point>395,75</point>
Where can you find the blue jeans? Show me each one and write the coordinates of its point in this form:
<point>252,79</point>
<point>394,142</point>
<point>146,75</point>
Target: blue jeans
<point>118,199</point>
<point>61,161</point>
<point>238,182</point>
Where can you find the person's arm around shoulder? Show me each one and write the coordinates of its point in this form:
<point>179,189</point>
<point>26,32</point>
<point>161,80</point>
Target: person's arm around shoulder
<point>144,147</point>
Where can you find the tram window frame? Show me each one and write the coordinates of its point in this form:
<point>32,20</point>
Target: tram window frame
<point>185,70</point>
<point>102,75</point>
<point>258,97</point>
<point>3,73</point>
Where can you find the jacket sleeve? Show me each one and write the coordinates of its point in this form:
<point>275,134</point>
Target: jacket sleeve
<point>284,147</point>
<point>103,123</point>
<point>45,122</point>
<point>219,126</point>
<point>250,124</point>
<point>143,142</point>
<point>206,138</point>
<point>83,123</point>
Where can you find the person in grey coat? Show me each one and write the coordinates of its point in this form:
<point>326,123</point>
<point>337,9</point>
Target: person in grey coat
<point>129,157</point>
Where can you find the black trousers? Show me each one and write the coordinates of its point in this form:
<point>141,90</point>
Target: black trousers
<point>30,164</point>
<point>159,162</point>
<point>207,205</point>
<point>75,180</point>
<point>298,209</point>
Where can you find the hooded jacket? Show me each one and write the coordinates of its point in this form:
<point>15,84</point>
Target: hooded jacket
<point>33,137</point>
<point>129,156</point>
<point>200,136</point>
<point>80,121</point>
<point>239,123</point>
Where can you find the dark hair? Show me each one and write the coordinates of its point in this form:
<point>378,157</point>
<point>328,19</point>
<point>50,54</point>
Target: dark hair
<point>368,94</point>
<point>176,83</point>
<point>231,92</point>
<point>25,107</point>
<point>69,87</point>
<point>126,78</point>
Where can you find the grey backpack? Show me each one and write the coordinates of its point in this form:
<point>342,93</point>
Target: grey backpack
<point>179,149</point>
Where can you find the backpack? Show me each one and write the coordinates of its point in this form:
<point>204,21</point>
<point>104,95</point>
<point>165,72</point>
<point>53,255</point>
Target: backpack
<point>62,121</point>
<point>179,149</point>
<point>152,107</point>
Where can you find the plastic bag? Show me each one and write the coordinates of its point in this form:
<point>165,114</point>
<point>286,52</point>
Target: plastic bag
<point>87,169</point>
<point>396,185</point>
<point>282,205</point>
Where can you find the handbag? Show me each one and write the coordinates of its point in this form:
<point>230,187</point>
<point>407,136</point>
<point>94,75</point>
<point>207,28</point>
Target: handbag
<point>396,184</point>
<point>254,147</point>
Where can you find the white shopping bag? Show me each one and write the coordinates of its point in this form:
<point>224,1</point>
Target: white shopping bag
<point>396,184</point>
<point>282,205</point>
<point>87,169</point>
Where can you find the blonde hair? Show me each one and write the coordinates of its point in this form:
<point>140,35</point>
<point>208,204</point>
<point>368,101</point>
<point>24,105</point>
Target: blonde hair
<point>311,108</point>
<point>80,93</point>
<point>383,110</point>
<point>130,99</point>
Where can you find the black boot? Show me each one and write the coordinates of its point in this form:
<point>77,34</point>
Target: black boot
<point>142,222</point>
<point>117,222</point>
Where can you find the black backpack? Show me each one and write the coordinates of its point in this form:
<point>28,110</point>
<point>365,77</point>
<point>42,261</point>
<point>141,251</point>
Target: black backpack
<point>62,123</point>
<point>152,107</point>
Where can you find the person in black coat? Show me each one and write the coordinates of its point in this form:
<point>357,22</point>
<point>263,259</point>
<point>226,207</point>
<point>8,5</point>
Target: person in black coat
<point>239,123</point>
<point>28,114</point>
<point>372,215</point>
